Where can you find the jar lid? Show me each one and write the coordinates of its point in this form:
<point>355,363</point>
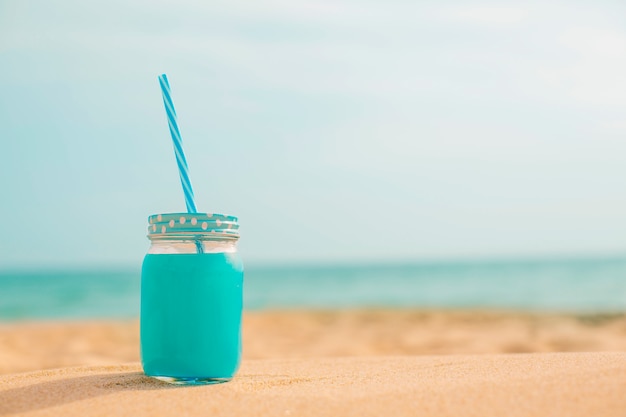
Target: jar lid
<point>198,225</point>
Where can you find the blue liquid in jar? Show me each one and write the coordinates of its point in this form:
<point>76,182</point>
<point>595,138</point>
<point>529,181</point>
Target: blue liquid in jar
<point>191,307</point>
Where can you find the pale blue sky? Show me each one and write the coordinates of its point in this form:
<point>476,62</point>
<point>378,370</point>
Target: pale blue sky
<point>335,130</point>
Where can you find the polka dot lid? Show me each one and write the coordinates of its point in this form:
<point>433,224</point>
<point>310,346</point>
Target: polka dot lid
<point>206,225</point>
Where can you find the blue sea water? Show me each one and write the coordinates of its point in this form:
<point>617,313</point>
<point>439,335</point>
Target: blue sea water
<point>578,285</point>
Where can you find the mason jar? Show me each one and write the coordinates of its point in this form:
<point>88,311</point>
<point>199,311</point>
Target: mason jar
<point>191,298</point>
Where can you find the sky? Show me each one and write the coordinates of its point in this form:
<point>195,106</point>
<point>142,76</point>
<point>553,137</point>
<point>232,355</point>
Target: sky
<point>337,131</point>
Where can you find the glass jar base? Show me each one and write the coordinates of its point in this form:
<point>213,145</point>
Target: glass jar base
<point>190,380</point>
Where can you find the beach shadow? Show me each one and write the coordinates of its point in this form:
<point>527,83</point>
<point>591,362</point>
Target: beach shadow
<point>52,393</point>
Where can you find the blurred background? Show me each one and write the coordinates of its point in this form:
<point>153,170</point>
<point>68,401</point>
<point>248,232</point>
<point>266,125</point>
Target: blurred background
<point>378,154</point>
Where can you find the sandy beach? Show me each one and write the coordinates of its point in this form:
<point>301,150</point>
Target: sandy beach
<point>360,362</point>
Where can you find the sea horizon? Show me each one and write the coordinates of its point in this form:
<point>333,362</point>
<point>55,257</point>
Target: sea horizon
<point>339,262</point>
<point>559,284</point>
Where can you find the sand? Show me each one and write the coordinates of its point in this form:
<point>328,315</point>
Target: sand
<point>345,363</point>
<point>29,346</point>
<point>539,384</point>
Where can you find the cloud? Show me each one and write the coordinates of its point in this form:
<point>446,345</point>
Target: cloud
<point>593,75</point>
<point>391,51</point>
<point>484,15</point>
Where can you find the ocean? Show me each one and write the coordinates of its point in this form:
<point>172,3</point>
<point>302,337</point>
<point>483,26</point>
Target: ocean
<point>575,285</point>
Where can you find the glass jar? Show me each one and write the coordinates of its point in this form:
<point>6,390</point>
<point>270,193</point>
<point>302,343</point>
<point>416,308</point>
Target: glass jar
<point>191,298</point>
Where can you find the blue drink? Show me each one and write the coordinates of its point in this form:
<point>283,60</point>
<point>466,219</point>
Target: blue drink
<point>191,304</point>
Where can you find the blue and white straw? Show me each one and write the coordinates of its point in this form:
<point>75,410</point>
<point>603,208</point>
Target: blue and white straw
<point>183,169</point>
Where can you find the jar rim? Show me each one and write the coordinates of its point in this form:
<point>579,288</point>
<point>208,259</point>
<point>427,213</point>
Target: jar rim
<point>193,226</point>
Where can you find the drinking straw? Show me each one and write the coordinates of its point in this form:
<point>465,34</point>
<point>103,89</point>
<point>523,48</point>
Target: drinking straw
<point>183,168</point>
<point>172,121</point>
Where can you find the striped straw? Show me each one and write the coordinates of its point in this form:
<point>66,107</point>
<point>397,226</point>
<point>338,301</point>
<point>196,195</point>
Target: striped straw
<point>183,169</point>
